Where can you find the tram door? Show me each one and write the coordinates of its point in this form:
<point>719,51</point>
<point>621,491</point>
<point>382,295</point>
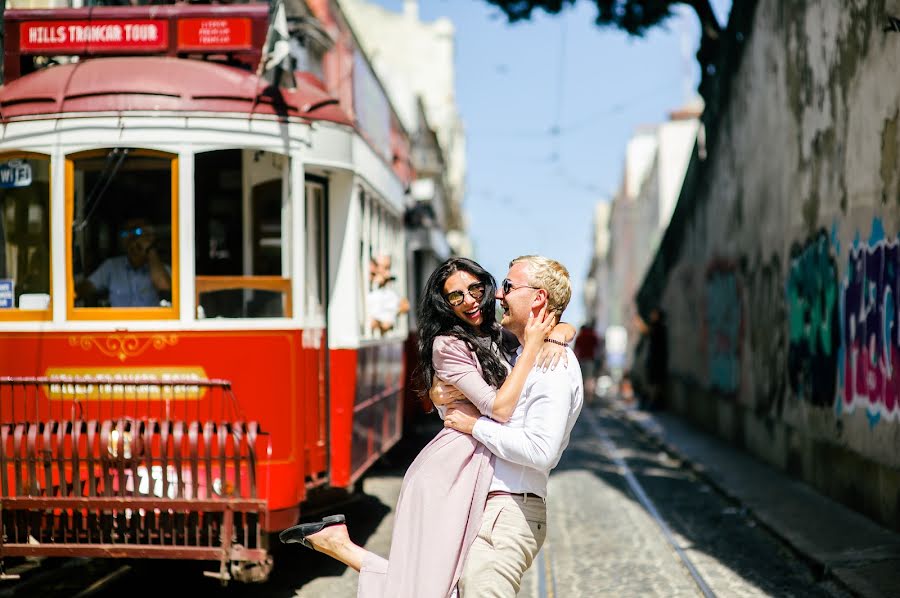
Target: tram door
<point>316,254</point>
<point>316,306</point>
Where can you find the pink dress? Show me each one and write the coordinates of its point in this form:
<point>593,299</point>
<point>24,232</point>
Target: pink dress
<point>442,497</point>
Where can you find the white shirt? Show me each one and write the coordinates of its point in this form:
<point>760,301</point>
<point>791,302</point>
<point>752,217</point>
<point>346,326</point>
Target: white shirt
<point>383,304</point>
<point>531,443</point>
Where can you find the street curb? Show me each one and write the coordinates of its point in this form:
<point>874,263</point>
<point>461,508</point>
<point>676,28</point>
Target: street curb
<point>820,569</point>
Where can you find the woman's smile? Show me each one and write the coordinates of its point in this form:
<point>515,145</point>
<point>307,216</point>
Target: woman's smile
<point>474,314</point>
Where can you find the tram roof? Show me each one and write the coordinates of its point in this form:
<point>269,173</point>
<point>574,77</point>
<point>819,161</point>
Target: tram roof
<point>161,84</point>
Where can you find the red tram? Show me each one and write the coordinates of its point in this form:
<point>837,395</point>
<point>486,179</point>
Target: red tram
<point>192,424</point>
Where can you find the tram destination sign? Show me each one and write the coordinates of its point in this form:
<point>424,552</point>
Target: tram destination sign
<point>228,33</point>
<point>94,36</point>
<point>15,173</point>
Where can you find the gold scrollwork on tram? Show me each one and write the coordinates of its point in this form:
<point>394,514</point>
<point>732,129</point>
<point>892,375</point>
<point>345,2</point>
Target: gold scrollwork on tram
<point>123,346</point>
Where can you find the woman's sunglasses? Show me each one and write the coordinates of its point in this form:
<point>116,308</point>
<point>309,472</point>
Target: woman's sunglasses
<point>476,291</point>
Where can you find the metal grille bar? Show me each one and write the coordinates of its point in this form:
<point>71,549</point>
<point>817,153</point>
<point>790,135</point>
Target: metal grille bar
<point>137,468</point>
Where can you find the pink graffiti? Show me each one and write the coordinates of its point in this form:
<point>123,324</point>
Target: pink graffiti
<point>869,329</point>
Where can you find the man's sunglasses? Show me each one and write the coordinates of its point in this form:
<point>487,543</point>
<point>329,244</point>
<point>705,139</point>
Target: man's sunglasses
<point>508,287</point>
<point>132,232</point>
<point>476,291</point>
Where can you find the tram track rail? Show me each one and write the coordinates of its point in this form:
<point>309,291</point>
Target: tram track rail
<point>640,494</point>
<point>546,581</point>
<point>74,577</point>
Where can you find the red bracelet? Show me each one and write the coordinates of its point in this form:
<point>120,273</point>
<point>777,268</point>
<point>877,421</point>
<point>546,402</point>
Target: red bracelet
<point>556,342</point>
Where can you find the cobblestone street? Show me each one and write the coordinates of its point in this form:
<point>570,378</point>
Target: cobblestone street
<point>602,541</point>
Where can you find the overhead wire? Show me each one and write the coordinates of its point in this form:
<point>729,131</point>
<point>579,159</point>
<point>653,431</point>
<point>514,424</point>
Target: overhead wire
<point>560,90</point>
<point>620,106</point>
<point>581,124</point>
<point>557,130</point>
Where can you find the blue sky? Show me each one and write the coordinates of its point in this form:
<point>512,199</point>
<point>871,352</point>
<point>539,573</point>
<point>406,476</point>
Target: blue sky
<point>528,190</point>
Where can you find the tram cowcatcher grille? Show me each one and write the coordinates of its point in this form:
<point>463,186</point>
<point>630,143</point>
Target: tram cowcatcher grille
<point>153,470</point>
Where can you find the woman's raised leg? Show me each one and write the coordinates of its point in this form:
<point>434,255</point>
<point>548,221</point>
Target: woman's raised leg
<point>336,543</point>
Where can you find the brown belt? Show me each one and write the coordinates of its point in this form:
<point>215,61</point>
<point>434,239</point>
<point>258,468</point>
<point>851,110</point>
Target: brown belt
<point>522,494</point>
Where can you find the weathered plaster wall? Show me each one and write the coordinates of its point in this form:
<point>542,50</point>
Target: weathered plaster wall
<point>784,302</point>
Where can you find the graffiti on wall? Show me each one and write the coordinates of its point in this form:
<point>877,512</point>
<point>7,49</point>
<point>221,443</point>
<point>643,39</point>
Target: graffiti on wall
<point>840,346</point>
<point>722,323</point>
<point>870,332</point>
<point>811,293</point>
<point>766,343</point>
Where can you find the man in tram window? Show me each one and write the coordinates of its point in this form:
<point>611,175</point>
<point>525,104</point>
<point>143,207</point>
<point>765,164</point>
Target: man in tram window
<point>136,279</point>
<point>384,304</point>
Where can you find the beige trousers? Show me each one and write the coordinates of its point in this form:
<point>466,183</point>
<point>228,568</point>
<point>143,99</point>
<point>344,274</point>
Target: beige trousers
<point>512,532</point>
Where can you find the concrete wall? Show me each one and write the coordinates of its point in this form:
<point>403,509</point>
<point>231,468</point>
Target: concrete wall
<point>783,291</point>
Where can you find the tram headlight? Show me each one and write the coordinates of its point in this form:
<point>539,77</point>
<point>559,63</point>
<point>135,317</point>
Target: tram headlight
<point>113,447</point>
<point>226,489</point>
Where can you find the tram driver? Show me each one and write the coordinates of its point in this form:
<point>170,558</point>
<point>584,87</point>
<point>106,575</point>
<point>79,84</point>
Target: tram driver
<point>135,279</point>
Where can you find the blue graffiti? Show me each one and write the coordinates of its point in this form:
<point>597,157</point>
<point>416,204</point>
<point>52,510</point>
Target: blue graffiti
<point>723,330</point>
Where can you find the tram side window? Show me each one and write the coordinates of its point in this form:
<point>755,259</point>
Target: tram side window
<point>24,232</point>
<point>240,245</point>
<point>122,229</point>
<point>381,264</point>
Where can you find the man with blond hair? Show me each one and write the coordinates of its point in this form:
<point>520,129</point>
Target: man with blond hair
<point>528,446</point>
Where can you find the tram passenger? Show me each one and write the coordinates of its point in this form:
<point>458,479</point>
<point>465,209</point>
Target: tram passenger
<point>135,279</point>
<point>383,303</point>
<point>445,490</point>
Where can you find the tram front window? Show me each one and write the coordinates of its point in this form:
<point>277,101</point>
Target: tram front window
<point>241,251</point>
<point>122,229</point>
<point>24,232</point>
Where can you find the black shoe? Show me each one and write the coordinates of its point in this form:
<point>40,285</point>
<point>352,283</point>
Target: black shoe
<point>298,533</point>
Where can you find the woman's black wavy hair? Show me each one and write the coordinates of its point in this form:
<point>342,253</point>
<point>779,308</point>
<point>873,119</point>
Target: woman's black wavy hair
<point>437,318</point>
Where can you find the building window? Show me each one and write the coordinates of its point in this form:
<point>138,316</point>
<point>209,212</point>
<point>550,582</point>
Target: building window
<point>122,225</point>
<point>24,236</point>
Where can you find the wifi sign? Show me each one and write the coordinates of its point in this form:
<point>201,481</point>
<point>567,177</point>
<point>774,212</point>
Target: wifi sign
<point>15,173</point>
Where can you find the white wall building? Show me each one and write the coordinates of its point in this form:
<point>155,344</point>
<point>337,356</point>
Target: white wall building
<point>415,60</point>
<point>596,287</point>
<point>628,229</point>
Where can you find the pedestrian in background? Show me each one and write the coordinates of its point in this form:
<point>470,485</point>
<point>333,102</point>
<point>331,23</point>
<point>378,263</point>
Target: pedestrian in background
<point>657,359</point>
<point>587,345</point>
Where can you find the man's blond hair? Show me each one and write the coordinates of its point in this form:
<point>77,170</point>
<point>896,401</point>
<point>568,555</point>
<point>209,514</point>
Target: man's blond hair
<point>550,275</point>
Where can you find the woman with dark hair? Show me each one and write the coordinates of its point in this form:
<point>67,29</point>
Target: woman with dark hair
<point>444,491</point>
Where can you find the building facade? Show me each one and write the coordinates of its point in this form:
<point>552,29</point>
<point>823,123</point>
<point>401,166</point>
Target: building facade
<point>627,230</point>
<point>416,60</point>
<point>780,269</point>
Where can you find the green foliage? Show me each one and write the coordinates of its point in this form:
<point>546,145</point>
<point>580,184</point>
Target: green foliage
<point>635,17</point>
